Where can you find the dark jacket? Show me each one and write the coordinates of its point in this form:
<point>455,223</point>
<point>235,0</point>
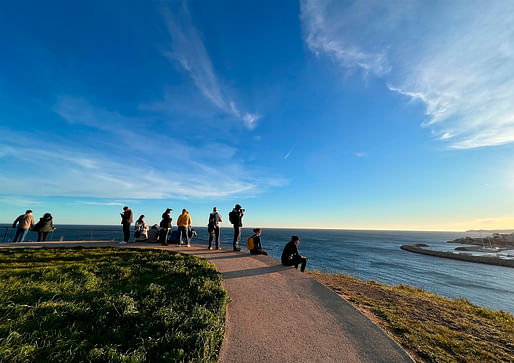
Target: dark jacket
<point>237,218</point>
<point>127,217</point>
<point>256,243</point>
<point>166,221</point>
<point>44,225</point>
<point>290,252</point>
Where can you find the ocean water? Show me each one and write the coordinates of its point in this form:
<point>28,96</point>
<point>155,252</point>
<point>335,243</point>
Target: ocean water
<point>368,255</point>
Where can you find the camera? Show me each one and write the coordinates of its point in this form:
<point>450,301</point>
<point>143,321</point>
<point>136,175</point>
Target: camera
<point>242,210</point>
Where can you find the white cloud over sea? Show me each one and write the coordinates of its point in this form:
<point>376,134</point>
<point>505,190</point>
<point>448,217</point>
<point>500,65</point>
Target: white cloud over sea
<point>457,58</point>
<point>120,157</point>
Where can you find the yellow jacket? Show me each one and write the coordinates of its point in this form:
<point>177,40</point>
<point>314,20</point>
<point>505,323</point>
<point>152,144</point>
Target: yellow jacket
<point>184,220</point>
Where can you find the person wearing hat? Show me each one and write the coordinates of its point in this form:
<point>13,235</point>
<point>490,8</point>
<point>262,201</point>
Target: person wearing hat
<point>127,217</point>
<point>236,218</point>
<point>165,227</point>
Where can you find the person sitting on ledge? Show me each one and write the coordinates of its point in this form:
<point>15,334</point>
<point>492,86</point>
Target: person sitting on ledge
<point>291,256</point>
<point>257,246</point>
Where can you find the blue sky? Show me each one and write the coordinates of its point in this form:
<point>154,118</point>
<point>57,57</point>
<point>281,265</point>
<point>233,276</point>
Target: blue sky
<point>340,114</point>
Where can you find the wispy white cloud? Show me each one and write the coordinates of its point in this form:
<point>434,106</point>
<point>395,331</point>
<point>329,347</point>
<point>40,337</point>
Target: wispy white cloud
<point>123,160</point>
<point>361,154</point>
<point>188,49</point>
<point>457,58</point>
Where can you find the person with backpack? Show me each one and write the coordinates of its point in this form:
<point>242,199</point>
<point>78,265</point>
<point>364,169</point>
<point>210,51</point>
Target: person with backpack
<point>184,224</point>
<point>127,217</point>
<point>43,227</point>
<point>291,256</point>
<point>165,227</point>
<point>253,243</point>
<point>22,224</point>
<point>236,218</point>
<point>141,229</point>
<point>213,228</point>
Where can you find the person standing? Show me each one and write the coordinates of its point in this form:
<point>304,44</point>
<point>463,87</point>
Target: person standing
<point>236,218</point>
<point>141,229</point>
<point>43,227</point>
<point>214,228</point>
<point>291,256</point>
<point>257,246</point>
<point>165,226</point>
<point>127,217</point>
<point>184,223</point>
<point>24,223</point>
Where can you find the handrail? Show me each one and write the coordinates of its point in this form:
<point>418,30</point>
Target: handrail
<point>91,230</point>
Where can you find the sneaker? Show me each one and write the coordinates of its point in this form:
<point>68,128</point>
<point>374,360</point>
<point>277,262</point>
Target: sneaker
<point>123,243</point>
<point>164,244</point>
<point>218,247</point>
<point>237,249</point>
<point>188,245</point>
<point>178,244</point>
<point>210,248</point>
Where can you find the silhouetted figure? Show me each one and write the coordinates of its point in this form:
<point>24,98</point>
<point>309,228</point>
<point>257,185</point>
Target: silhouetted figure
<point>165,226</point>
<point>291,256</point>
<point>213,228</point>
<point>127,217</point>
<point>236,218</point>
<point>43,227</point>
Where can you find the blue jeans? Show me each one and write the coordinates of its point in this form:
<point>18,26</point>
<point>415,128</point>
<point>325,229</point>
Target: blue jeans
<point>182,231</point>
<point>20,235</point>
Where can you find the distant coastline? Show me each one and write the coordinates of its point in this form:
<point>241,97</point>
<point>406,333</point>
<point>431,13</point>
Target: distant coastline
<point>419,248</point>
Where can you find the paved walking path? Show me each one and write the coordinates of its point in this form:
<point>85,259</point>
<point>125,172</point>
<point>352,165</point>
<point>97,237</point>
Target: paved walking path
<point>279,314</point>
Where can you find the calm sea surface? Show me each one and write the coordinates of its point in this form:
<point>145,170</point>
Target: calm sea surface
<point>368,255</point>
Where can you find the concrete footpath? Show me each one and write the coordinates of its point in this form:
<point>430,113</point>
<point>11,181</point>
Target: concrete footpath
<point>279,314</point>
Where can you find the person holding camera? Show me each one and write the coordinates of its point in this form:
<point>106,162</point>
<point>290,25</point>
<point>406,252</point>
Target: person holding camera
<point>236,218</point>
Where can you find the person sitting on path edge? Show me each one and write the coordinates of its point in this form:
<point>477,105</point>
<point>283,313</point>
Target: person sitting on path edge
<point>127,217</point>
<point>165,227</point>
<point>141,229</point>
<point>183,223</point>
<point>236,218</point>
<point>257,246</point>
<point>291,256</point>
<point>214,228</point>
<point>24,222</point>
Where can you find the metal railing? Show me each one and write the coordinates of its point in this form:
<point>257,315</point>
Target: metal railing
<point>7,234</point>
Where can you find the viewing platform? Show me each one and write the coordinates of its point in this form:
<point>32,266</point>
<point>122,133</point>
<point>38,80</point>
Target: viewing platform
<point>277,313</point>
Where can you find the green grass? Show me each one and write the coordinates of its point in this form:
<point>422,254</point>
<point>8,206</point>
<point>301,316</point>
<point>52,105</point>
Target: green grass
<point>109,304</point>
<point>432,328</point>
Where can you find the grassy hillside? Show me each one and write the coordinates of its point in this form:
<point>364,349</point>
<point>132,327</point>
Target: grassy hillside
<point>430,327</point>
<point>107,304</point>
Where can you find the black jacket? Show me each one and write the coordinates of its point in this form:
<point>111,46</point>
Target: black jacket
<point>166,221</point>
<point>127,217</point>
<point>237,219</point>
<point>290,252</point>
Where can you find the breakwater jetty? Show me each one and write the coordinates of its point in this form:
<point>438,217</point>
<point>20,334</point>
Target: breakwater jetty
<point>490,260</point>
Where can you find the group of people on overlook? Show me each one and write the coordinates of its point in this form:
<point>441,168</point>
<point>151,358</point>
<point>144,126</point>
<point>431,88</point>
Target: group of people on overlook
<point>164,233</point>
<point>25,223</point>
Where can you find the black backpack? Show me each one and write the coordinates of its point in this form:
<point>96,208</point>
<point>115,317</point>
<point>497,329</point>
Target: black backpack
<point>232,216</point>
